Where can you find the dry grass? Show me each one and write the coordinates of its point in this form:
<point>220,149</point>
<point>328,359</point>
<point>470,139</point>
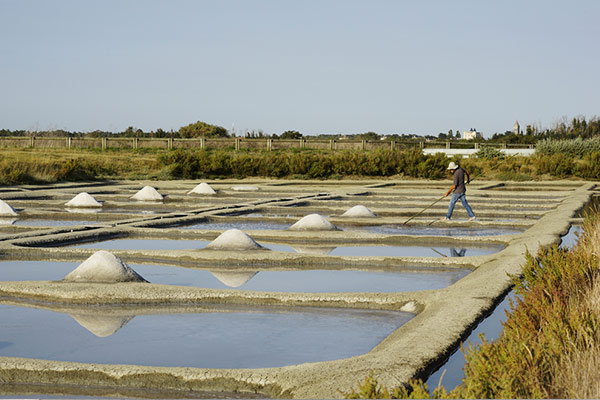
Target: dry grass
<point>47,166</point>
<point>577,373</point>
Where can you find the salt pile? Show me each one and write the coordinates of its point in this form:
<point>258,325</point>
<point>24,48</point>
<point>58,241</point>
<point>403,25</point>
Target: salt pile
<point>313,222</point>
<point>245,188</point>
<point>83,200</point>
<point>203,188</point>
<point>103,266</point>
<point>359,212</point>
<point>234,239</point>
<point>147,193</point>
<point>6,209</point>
<point>233,279</point>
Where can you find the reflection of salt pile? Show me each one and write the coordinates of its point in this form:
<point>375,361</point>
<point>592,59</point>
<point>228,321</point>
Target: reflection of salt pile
<point>102,325</point>
<point>147,193</point>
<point>6,209</point>
<point>320,251</point>
<point>313,222</point>
<point>83,200</point>
<point>245,188</point>
<point>203,188</point>
<point>234,239</point>
<point>103,266</point>
<point>233,279</point>
<point>359,212</point>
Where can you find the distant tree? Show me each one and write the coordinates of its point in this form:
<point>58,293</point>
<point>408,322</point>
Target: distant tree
<point>202,129</point>
<point>290,135</point>
<point>369,136</point>
<point>450,133</point>
<point>443,136</point>
<point>160,133</point>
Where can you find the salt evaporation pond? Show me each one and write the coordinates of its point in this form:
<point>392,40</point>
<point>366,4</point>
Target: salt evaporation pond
<point>247,338</point>
<point>441,231</point>
<point>386,251</point>
<point>242,225</point>
<point>54,222</point>
<point>312,281</point>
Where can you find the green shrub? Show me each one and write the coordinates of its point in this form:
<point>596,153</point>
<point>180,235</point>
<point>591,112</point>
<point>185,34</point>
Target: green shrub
<point>589,167</point>
<point>570,147</point>
<point>557,165</point>
<point>489,153</point>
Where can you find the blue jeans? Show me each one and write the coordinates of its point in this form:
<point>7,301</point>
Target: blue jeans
<point>463,200</point>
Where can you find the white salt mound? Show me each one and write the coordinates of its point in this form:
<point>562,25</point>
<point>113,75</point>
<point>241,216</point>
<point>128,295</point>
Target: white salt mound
<point>147,193</point>
<point>233,279</point>
<point>313,222</point>
<point>245,188</point>
<point>6,209</point>
<point>203,188</point>
<point>359,212</point>
<point>83,200</point>
<point>103,266</point>
<point>234,239</point>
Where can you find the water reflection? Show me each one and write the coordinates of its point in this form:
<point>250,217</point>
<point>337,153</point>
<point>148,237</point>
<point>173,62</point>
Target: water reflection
<point>457,253</point>
<point>421,230</point>
<point>315,250</point>
<point>232,278</point>
<point>201,337</point>
<point>101,324</point>
<point>309,280</point>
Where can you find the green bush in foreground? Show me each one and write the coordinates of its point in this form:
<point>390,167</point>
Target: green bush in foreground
<point>550,345</point>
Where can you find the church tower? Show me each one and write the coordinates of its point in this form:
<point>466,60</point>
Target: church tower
<point>516,128</point>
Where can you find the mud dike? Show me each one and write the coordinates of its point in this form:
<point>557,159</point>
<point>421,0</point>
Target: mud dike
<point>402,296</point>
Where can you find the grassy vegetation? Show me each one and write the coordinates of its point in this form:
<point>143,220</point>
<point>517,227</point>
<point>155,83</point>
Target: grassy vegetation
<point>55,165</point>
<point>22,166</point>
<point>550,345</point>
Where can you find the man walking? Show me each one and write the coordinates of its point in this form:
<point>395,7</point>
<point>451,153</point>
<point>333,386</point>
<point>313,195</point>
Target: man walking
<point>458,185</point>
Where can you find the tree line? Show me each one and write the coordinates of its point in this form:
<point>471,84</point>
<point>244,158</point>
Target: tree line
<point>578,127</point>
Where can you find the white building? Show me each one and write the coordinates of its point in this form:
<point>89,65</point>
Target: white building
<point>472,134</point>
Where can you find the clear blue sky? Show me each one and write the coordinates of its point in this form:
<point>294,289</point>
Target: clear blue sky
<point>315,66</point>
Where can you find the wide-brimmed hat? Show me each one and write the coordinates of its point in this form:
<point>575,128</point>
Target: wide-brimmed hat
<point>452,165</point>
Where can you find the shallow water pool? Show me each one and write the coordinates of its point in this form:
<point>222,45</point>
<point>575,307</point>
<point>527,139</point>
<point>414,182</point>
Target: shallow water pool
<point>249,338</point>
<point>312,281</point>
<point>387,251</point>
<point>441,231</point>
